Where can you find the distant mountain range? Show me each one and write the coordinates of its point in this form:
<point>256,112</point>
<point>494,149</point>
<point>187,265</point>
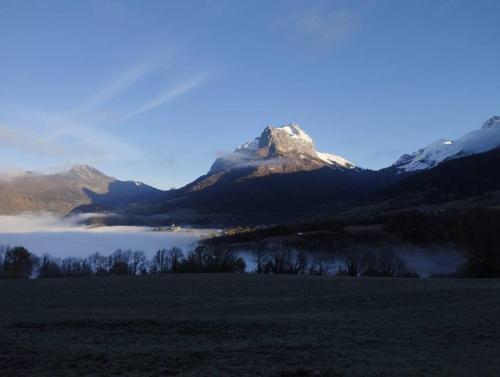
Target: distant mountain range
<point>81,188</point>
<point>278,176</point>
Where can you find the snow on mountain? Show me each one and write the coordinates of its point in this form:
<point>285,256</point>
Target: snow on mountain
<point>334,159</point>
<point>493,122</point>
<point>294,131</point>
<point>479,141</point>
<point>277,146</point>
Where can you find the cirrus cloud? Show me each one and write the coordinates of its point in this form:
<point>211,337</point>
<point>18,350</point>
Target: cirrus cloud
<point>319,28</point>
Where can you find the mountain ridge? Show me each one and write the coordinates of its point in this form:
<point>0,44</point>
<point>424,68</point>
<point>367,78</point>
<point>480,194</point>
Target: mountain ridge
<point>474,142</point>
<point>66,191</point>
<point>277,176</point>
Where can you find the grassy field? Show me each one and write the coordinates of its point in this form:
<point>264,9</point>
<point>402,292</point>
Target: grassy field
<point>249,325</point>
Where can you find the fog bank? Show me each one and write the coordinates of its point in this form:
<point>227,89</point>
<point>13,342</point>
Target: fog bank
<point>65,237</point>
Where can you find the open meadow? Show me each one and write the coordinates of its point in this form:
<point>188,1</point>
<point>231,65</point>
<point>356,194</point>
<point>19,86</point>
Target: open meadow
<point>249,325</point>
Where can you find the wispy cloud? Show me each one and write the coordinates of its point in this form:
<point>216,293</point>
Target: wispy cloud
<point>31,142</point>
<point>170,94</point>
<point>320,28</point>
<point>86,140</point>
<point>46,134</point>
<point>82,133</point>
<point>120,84</point>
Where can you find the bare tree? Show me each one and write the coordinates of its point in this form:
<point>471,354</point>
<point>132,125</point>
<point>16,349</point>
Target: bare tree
<point>99,264</point>
<point>159,263</point>
<point>175,258</point>
<point>49,267</point>
<point>120,262</point>
<point>261,258</point>
<point>138,263</point>
<point>75,267</point>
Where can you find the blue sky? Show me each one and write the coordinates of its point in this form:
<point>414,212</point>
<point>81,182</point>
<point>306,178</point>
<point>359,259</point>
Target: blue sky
<point>156,90</point>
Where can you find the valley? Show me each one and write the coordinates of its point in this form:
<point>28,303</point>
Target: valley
<point>249,188</point>
<point>277,192</point>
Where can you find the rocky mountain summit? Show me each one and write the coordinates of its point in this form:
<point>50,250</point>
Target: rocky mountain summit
<point>286,148</point>
<point>279,174</point>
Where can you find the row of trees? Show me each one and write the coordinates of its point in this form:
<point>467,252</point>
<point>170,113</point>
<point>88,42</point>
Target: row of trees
<point>19,263</point>
<point>362,262</point>
<point>476,231</point>
<point>375,263</point>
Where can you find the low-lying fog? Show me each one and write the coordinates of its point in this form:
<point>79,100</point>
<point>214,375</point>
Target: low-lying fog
<point>400,260</point>
<point>68,237</point>
<point>64,237</point>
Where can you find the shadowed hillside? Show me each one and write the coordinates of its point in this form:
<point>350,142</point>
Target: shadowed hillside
<point>81,187</point>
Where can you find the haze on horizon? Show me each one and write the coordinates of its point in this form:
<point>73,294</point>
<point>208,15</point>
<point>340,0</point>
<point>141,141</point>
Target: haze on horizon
<point>155,91</point>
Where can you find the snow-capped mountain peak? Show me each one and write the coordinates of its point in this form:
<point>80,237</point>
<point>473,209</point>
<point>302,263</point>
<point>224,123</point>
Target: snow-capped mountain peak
<point>479,141</point>
<point>279,146</point>
<point>294,131</point>
<point>493,122</point>
<point>252,145</point>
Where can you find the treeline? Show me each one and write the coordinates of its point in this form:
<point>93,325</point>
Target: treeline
<point>356,263</point>
<point>476,231</point>
<point>19,263</point>
<point>473,231</point>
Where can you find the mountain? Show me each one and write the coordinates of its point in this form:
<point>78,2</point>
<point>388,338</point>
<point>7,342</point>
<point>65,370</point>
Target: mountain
<point>482,140</point>
<point>280,150</point>
<point>287,147</point>
<point>81,188</point>
<point>280,176</point>
<point>277,176</point>
<point>472,180</point>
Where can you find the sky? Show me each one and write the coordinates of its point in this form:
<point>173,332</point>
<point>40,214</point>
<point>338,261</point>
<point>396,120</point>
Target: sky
<point>155,91</point>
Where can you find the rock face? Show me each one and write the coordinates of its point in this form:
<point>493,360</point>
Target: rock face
<point>64,192</point>
<point>485,139</point>
<point>286,148</point>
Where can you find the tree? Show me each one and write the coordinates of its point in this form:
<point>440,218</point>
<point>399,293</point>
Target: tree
<point>3,249</point>
<point>160,262</point>
<point>352,269</point>
<point>195,260</point>
<point>19,263</point>
<point>120,262</point>
<point>240,265</point>
<point>99,264</point>
<point>175,258</point>
<point>300,264</point>
<point>72,266</point>
<point>261,258</point>
<point>138,263</point>
<point>49,267</point>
